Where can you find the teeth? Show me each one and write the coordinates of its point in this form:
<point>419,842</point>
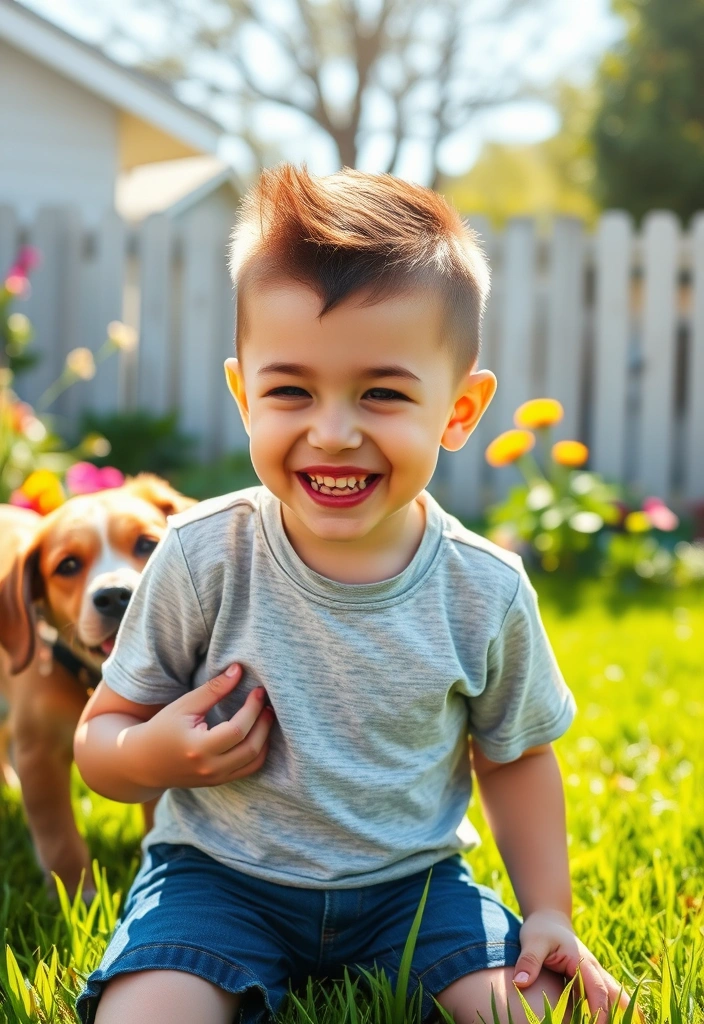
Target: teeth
<point>337,485</point>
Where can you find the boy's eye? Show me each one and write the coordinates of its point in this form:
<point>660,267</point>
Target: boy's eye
<point>377,394</point>
<point>286,392</point>
<point>385,394</point>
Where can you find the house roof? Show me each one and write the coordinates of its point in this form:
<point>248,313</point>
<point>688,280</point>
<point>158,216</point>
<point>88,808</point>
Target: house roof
<point>124,87</point>
<point>171,186</point>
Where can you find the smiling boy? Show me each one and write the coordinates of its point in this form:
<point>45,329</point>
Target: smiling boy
<point>382,633</point>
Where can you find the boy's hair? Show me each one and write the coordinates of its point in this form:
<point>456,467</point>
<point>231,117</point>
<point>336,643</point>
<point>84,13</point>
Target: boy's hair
<point>351,232</point>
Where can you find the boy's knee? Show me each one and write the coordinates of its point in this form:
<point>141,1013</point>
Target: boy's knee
<point>165,997</point>
<point>470,996</point>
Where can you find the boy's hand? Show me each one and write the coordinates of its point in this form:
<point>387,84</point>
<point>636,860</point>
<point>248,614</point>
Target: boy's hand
<point>548,940</point>
<point>176,749</point>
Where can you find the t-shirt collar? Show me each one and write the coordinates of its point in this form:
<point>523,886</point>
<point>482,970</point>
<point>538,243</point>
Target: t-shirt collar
<point>380,592</point>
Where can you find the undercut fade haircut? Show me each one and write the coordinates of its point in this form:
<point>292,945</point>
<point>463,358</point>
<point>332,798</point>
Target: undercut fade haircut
<point>353,232</point>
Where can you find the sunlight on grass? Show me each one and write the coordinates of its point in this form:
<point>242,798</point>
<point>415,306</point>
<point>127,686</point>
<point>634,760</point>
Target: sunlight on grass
<point>633,769</point>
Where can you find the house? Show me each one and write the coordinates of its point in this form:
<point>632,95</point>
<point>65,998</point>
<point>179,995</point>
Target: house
<point>72,120</point>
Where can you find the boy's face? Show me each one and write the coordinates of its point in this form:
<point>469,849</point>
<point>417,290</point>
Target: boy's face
<point>365,392</point>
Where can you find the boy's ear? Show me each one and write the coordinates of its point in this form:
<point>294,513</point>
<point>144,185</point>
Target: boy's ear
<point>476,391</point>
<point>235,382</point>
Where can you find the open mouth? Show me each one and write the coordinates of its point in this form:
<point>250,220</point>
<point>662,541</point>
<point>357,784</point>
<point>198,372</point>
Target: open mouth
<point>339,491</point>
<point>339,486</point>
<point>104,648</point>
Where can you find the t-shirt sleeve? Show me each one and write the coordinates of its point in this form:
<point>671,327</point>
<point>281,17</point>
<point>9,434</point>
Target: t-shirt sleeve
<point>526,701</point>
<point>163,634</point>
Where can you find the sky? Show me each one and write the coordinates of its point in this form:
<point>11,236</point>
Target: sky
<point>578,33</point>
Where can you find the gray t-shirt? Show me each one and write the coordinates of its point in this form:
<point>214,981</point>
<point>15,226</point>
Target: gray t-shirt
<point>376,687</point>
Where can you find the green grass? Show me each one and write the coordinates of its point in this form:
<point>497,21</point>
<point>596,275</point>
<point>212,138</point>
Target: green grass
<point>633,768</point>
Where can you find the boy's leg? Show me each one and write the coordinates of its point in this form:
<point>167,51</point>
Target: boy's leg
<point>470,995</point>
<point>165,997</point>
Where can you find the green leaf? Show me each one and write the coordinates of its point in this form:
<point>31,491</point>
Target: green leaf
<point>531,1016</point>
<point>400,997</point>
<point>18,989</point>
<point>351,997</point>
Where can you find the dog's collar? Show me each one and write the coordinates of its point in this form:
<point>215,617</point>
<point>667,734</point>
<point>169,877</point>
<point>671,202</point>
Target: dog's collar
<point>88,677</point>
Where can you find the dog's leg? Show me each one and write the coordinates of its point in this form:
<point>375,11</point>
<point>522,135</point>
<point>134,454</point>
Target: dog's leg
<point>45,712</point>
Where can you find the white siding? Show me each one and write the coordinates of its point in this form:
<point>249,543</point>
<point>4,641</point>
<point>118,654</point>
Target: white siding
<point>58,142</point>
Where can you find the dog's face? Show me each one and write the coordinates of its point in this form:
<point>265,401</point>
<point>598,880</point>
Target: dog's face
<point>83,564</point>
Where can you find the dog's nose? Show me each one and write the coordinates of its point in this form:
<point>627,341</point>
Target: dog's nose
<point>112,601</point>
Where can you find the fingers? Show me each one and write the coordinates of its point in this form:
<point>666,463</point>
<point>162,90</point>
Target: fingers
<point>229,734</point>
<point>205,697</point>
<point>249,755</point>
<point>597,989</point>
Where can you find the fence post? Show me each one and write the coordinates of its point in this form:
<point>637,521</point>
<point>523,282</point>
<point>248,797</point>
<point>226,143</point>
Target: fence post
<point>514,359</point>
<point>565,323</point>
<point>694,423</point>
<point>53,306</point>
<point>614,241</point>
<point>659,336</point>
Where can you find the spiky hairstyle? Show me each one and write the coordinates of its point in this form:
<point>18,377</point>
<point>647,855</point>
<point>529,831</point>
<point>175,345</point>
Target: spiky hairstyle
<point>371,234</point>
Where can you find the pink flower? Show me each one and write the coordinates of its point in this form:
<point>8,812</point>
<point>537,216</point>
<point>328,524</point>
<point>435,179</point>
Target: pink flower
<point>661,517</point>
<point>17,284</point>
<point>111,477</point>
<point>85,478</point>
<point>28,258</point>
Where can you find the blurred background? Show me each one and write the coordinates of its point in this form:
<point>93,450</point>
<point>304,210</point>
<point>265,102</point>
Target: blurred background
<point>571,136</point>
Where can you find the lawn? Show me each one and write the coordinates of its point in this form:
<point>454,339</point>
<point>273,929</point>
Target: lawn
<point>633,768</point>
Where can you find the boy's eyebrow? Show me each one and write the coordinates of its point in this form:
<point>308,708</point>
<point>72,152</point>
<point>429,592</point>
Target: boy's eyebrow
<point>299,370</point>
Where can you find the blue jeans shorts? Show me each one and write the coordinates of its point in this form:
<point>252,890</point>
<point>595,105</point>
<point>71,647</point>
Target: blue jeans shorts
<point>188,912</point>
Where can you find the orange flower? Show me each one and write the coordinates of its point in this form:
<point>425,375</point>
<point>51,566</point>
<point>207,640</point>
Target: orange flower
<point>570,453</point>
<point>509,446</point>
<point>538,412</point>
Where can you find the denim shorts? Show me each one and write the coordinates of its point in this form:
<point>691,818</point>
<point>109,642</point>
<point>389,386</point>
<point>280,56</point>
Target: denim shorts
<point>188,912</point>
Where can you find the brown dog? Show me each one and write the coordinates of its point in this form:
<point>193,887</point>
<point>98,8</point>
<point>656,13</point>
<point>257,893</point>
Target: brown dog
<point>65,582</point>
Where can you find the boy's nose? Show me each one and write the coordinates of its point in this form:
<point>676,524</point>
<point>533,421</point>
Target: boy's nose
<point>333,430</point>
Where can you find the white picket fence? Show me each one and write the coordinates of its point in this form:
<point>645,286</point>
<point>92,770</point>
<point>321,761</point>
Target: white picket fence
<point>611,323</point>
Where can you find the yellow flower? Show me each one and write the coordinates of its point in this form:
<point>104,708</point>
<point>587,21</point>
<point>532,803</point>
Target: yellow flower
<point>80,362</point>
<point>538,412</point>
<point>20,327</point>
<point>122,336</point>
<point>43,490</point>
<point>570,453</point>
<point>637,522</point>
<point>509,446</point>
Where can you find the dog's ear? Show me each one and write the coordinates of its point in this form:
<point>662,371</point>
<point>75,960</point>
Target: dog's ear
<point>18,590</point>
<point>158,492</point>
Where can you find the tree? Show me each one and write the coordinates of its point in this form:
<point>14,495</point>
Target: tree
<point>374,76</point>
<point>540,179</point>
<point>649,130</point>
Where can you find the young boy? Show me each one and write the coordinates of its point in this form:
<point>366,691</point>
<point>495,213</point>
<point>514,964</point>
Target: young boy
<point>302,663</point>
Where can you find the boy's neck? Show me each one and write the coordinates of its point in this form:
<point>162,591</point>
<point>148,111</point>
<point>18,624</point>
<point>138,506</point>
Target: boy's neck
<point>378,556</point>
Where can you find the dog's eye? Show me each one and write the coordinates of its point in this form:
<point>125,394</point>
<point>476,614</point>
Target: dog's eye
<point>68,566</point>
<point>144,546</point>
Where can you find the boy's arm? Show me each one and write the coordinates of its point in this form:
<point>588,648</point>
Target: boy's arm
<point>132,752</point>
<point>524,806</point>
<point>103,745</point>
